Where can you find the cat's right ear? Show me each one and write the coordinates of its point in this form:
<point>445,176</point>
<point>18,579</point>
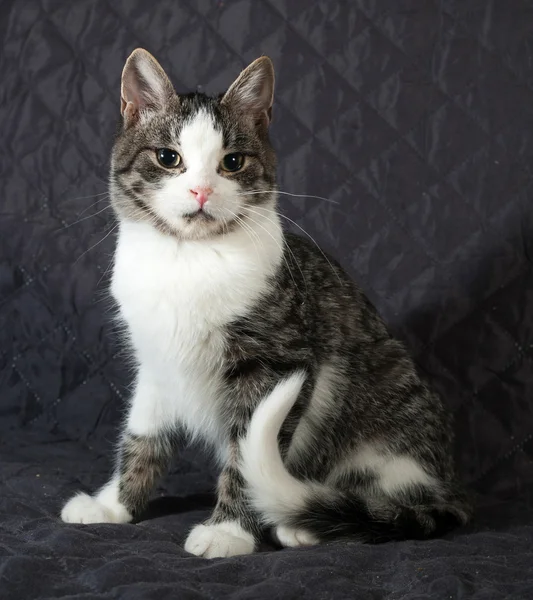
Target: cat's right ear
<point>145,86</point>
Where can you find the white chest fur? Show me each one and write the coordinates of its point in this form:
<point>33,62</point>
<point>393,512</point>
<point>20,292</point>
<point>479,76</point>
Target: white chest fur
<point>176,299</point>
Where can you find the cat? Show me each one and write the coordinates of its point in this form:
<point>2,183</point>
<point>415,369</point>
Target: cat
<point>254,341</point>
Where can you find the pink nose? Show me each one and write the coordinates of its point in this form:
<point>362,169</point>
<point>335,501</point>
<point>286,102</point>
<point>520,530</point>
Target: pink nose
<point>201,194</point>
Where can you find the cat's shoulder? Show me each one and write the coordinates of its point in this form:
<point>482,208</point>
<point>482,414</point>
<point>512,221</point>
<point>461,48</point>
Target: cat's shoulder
<point>311,257</point>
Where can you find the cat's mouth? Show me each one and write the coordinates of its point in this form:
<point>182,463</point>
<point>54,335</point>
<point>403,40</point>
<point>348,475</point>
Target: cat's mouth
<point>198,216</point>
<point>196,224</point>
<point>201,224</point>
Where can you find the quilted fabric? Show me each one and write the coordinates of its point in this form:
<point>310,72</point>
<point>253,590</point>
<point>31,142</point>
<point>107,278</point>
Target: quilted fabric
<point>415,117</point>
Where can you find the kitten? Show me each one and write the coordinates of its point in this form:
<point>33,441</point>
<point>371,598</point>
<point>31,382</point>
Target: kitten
<point>252,340</point>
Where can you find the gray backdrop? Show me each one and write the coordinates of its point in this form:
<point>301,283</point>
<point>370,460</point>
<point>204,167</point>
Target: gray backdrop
<point>415,117</point>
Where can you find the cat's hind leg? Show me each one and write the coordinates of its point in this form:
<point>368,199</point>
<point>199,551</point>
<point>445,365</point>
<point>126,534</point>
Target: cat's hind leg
<point>292,537</point>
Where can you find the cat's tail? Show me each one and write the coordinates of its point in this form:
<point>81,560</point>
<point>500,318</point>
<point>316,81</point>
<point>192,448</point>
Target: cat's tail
<point>326,512</point>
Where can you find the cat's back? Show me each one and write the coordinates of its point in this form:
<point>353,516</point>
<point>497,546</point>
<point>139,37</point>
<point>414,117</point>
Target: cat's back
<point>308,261</point>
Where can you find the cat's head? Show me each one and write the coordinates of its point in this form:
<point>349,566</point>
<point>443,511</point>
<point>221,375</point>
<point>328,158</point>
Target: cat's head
<point>192,165</point>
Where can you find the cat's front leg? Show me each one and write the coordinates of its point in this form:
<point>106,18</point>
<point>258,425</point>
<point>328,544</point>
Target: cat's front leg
<point>233,528</point>
<point>145,450</point>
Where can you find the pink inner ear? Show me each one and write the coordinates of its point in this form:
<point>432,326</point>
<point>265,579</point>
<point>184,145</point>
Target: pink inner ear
<point>130,88</point>
<point>128,109</point>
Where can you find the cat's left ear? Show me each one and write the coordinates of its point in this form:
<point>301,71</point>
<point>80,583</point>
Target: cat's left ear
<point>252,93</point>
<point>145,86</point>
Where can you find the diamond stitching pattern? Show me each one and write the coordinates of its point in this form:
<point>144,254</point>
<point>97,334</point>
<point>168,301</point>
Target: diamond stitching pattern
<point>460,126</point>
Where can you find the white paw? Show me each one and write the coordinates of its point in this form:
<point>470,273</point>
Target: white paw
<point>83,508</point>
<point>220,540</point>
<point>289,537</point>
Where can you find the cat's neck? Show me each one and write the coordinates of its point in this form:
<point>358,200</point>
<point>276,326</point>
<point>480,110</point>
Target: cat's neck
<point>163,285</point>
<point>235,266</point>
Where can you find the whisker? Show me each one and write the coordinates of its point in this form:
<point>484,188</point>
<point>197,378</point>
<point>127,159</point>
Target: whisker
<point>253,192</point>
<point>102,197</point>
<point>307,234</point>
<point>86,197</point>
<point>249,231</point>
<point>103,194</point>
<point>282,250</point>
<point>99,242</point>
<point>105,272</point>
<point>85,218</point>
<point>245,226</point>
<point>254,236</point>
<point>99,196</point>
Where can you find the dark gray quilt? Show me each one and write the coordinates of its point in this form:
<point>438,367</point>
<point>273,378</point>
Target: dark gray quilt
<point>415,116</point>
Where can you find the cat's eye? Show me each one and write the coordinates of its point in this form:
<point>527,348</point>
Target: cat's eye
<point>232,162</point>
<point>168,158</point>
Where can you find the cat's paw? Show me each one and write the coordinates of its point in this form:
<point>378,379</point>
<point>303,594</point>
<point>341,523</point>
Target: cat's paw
<point>83,508</point>
<point>219,540</point>
<point>289,537</point>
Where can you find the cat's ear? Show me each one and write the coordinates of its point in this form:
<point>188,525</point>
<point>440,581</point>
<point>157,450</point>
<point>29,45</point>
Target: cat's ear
<point>145,86</point>
<point>252,92</point>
